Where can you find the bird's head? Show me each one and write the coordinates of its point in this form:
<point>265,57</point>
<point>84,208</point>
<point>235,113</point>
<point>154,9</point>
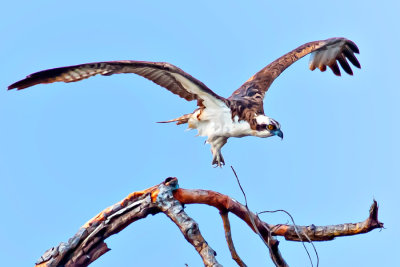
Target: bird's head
<point>267,127</point>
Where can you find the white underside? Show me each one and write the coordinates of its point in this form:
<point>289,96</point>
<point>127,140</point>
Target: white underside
<point>217,125</point>
<point>215,121</point>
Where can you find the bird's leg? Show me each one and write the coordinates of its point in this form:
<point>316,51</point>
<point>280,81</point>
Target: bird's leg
<point>218,160</point>
<point>216,145</point>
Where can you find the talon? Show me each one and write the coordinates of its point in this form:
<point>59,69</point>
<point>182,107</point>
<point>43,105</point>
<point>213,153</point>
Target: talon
<point>222,159</point>
<point>218,162</point>
<point>218,159</point>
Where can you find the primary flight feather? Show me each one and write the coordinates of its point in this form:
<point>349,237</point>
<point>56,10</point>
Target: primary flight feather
<point>217,118</point>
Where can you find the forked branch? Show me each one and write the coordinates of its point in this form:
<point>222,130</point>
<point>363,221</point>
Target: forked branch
<point>88,244</point>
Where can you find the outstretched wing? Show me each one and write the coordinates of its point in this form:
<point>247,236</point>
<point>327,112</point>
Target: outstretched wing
<point>167,75</point>
<point>325,53</point>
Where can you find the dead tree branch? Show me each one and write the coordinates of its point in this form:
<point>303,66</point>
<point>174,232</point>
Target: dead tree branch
<point>189,228</point>
<point>269,240</point>
<point>315,233</point>
<point>88,244</point>
<point>228,236</point>
<point>325,233</point>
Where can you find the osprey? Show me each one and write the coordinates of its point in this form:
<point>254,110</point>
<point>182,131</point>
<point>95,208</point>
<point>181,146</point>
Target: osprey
<point>217,118</point>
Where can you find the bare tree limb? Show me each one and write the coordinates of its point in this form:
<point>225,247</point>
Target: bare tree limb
<point>325,233</point>
<point>315,233</point>
<point>189,228</point>
<point>298,234</point>
<point>88,244</point>
<point>228,236</point>
<point>269,241</point>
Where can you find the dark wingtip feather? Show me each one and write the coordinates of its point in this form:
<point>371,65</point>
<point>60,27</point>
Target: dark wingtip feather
<point>25,83</point>
<point>343,63</point>
<point>44,76</point>
<point>18,85</point>
<point>349,54</point>
<point>355,61</point>
<point>335,68</point>
<point>353,47</point>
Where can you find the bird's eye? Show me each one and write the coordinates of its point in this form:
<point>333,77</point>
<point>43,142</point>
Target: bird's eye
<point>271,126</point>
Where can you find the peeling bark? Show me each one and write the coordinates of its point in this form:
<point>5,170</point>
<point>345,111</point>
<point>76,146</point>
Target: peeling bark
<point>315,233</point>
<point>88,244</point>
<point>325,233</point>
<point>189,228</point>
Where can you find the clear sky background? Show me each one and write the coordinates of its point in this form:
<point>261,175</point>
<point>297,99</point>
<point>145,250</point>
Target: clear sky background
<point>67,151</point>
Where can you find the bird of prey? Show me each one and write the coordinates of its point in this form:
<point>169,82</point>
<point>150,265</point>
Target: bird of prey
<point>217,118</point>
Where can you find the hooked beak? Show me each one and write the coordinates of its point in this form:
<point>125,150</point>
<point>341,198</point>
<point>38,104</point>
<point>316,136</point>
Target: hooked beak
<point>279,133</point>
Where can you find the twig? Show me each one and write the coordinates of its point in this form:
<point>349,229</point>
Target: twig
<point>298,234</point>
<point>273,248</point>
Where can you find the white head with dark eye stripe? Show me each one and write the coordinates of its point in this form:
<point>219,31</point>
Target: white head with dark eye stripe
<point>267,127</point>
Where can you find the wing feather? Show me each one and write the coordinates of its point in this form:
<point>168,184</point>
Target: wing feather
<point>164,74</point>
<point>324,53</point>
<point>344,64</point>
<point>348,53</point>
<point>335,68</point>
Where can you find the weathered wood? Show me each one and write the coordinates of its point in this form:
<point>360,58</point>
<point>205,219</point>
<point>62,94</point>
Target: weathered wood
<point>315,233</point>
<point>88,244</point>
<point>325,233</point>
<point>189,228</point>
<point>228,237</point>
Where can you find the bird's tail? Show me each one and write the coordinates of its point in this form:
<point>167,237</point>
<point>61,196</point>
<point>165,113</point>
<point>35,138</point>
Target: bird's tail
<point>181,120</point>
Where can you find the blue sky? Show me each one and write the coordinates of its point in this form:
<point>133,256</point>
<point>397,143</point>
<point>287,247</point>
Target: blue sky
<point>67,151</point>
